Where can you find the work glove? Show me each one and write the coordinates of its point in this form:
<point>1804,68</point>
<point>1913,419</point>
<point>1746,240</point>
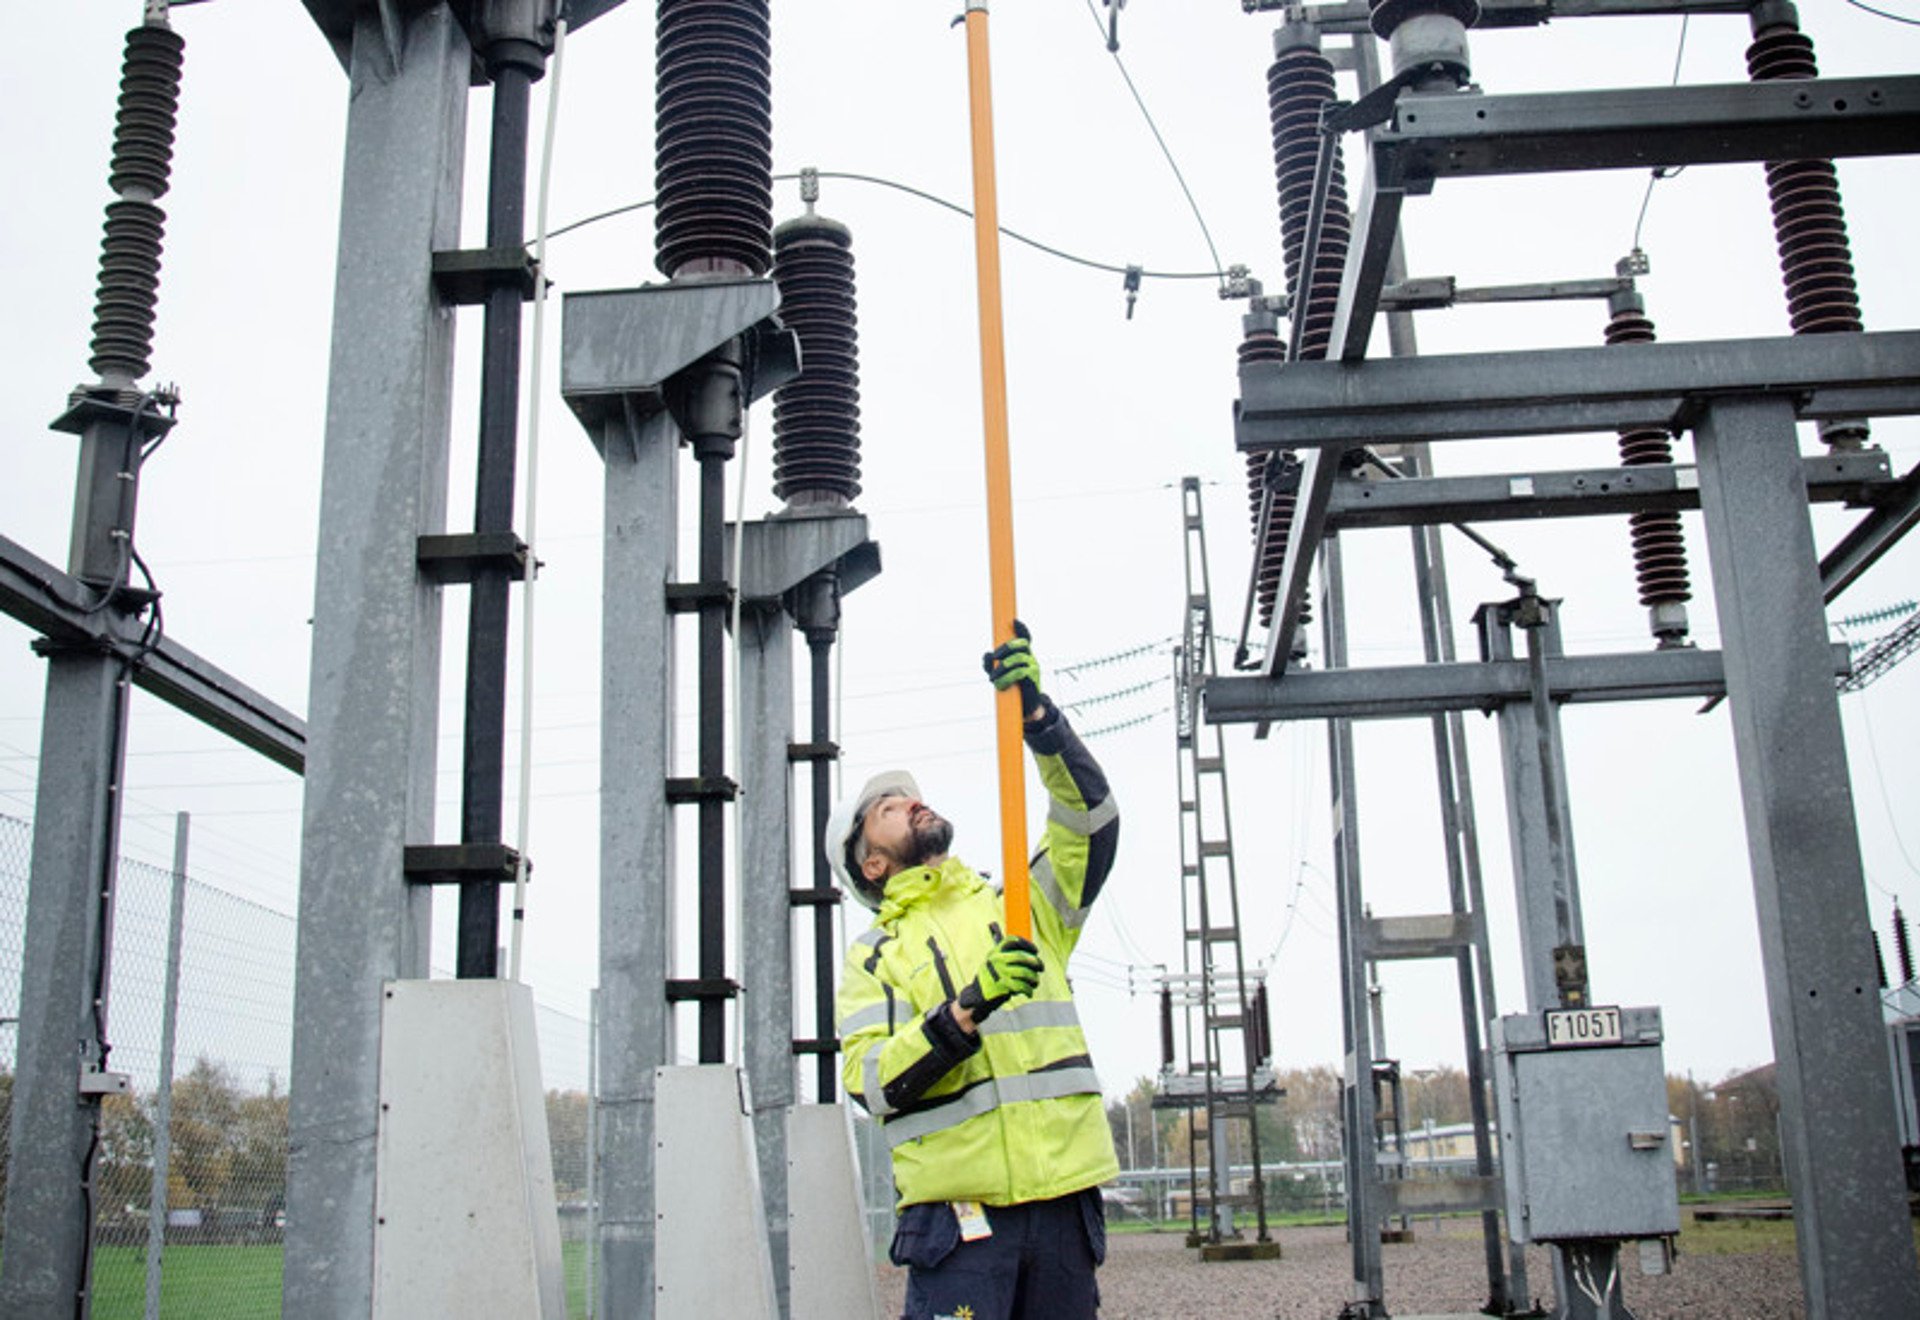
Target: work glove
<point>1013,968</point>
<point>1015,663</point>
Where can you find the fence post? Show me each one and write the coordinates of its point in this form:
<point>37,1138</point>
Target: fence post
<point>163,1096</point>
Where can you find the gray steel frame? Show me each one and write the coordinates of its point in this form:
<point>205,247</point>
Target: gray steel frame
<point>766,912</point>
<point>636,842</point>
<point>1742,398</point>
<point>371,759</point>
<point>1358,1110</point>
<point>63,976</point>
<point>1836,1110</point>
<point>777,554</point>
<point>1539,815</point>
<point>1326,408</point>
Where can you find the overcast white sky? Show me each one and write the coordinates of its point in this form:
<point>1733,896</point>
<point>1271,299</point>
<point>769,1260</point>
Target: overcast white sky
<point>1107,415</point>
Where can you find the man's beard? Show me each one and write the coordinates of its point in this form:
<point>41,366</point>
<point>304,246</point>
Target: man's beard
<point>930,837</point>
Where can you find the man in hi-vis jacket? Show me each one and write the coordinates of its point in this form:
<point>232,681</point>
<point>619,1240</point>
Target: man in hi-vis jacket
<point>964,1043</point>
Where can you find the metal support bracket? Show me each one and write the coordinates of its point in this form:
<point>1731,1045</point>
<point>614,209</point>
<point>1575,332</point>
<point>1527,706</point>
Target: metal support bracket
<point>1443,935</point>
<point>465,276</point>
<point>462,556</point>
<point>688,597</point>
<point>461,863</point>
<point>714,788</point>
<point>702,989</point>
<point>620,348</point>
<point>829,897</point>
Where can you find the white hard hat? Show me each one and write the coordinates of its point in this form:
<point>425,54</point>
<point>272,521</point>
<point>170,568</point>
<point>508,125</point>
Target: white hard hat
<point>844,825</point>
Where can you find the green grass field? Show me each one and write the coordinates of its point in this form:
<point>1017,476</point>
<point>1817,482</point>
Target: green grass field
<point>232,1283</point>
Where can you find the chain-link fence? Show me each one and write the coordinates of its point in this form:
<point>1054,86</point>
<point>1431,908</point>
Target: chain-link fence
<point>14,853</point>
<point>225,1109</point>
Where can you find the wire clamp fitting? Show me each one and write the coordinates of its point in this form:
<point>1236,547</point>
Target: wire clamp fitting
<point>1239,283</point>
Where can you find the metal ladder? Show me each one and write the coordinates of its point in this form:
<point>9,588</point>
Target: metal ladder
<point>1223,1004</point>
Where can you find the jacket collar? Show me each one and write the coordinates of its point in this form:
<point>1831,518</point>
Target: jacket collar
<point>918,885</point>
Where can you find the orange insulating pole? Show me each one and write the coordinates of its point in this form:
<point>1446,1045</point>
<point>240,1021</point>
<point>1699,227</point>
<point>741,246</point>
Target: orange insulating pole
<point>993,388</point>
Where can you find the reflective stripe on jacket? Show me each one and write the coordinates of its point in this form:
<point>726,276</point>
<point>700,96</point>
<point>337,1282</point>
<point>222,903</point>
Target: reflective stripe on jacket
<point>1014,1113</point>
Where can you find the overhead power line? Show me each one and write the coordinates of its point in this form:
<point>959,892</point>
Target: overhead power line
<point>1881,13</point>
<point>923,195</point>
<point>1109,36</point>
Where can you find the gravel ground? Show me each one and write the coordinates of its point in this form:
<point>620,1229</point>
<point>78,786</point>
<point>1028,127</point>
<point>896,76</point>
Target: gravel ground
<point>1153,1276</point>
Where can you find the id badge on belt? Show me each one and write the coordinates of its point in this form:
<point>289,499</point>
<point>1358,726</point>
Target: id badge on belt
<point>973,1220</point>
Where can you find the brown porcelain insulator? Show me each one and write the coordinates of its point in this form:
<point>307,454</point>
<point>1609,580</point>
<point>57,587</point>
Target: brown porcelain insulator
<point>129,286</point>
<point>1659,548</point>
<point>1299,85</point>
<point>816,415</point>
<point>713,153</point>
<point>1809,224</point>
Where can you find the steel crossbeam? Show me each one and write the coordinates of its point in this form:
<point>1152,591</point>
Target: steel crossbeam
<point>1563,390</point>
<point>1355,16</point>
<point>46,600</point>
<point>1459,135</point>
<point>1852,478</point>
<point>1325,408</point>
<point>1399,691</point>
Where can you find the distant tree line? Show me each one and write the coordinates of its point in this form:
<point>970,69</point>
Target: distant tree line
<point>1735,1123</point>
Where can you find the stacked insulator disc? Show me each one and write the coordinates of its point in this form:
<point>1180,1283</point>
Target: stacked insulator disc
<point>713,160</point>
<point>1903,945</point>
<point>1299,86</point>
<point>1809,225</point>
<point>1264,345</point>
<point>816,416</point>
<point>129,284</point>
<point>1659,549</point>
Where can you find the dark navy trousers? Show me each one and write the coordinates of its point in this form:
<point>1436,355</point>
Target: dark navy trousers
<point>1038,1264</point>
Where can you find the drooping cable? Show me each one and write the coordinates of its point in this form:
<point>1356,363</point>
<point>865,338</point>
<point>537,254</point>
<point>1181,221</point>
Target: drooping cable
<point>1113,49</point>
<point>1664,171</point>
<point>1881,13</point>
<point>925,196</point>
<point>536,343</point>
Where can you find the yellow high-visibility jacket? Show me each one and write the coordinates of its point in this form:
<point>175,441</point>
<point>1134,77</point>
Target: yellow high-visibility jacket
<point>1014,1113</point>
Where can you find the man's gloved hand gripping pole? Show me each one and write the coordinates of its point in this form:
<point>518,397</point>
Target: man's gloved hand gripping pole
<point>1013,968</point>
<point>1014,665</point>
